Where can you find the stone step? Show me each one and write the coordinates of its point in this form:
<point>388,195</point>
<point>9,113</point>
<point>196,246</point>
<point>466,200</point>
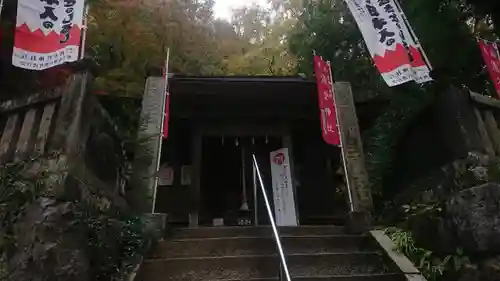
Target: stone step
<point>260,231</point>
<point>362,277</point>
<point>356,277</point>
<point>261,266</point>
<point>329,264</point>
<point>233,246</point>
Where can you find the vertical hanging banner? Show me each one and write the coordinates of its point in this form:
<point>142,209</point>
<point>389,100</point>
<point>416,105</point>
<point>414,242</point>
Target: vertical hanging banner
<point>328,112</point>
<point>391,41</point>
<point>492,60</point>
<point>48,33</point>
<point>284,199</point>
<point>167,116</point>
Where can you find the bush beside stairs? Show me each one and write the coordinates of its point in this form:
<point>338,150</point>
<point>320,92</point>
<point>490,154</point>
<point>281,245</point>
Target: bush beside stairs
<point>314,253</point>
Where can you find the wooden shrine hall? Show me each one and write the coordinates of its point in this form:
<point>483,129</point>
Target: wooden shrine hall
<point>216,125</point>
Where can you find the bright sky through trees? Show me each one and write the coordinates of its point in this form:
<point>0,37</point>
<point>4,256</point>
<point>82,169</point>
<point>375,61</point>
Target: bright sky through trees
<point>222,8</point>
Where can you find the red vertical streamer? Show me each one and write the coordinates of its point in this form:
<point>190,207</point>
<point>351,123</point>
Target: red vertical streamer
<point>326,102</point>
<point>492,60</point>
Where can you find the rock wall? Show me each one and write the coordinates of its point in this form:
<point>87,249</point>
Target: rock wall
<point>456,209</point>
<point>70,210</point>
<point>475,216</point>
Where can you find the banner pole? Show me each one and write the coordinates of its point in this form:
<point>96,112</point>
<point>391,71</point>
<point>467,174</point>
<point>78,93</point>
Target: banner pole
<point>342,148</point>
<point>164,100</point>
<point>84,30</point>
<point>1,6</point>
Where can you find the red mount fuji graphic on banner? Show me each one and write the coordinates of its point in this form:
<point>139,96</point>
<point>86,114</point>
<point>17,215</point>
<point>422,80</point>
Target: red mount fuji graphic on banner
<point>37,42</point>
<point>394,59</point>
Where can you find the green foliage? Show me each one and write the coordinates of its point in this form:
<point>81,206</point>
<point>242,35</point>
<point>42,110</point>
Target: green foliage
<point>20,187</point>
<point>328,28</point>
<point>113,242</point>
<point>432,267</point>
<point>17,193</point>
<point>421,209</point>
<point>128,39</point>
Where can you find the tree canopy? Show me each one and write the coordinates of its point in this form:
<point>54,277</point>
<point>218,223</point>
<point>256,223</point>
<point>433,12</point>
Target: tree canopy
<point>447,30</point>
<point>127,40</point>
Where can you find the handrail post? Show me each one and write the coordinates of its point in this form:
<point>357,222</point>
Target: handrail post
<point>273,223</point>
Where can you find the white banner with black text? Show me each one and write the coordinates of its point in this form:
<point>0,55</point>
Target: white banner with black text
<point>48,33</point>
<point>391,41</point>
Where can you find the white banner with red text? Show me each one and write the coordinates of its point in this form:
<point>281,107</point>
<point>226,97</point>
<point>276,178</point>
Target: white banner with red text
<point>283,192</point>
<point>391,42</point>
<point>48,33</point>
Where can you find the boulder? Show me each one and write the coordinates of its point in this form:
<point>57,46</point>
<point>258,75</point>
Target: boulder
<point>475,215</point>
<point>483,270</point>
<point>45,247</point>
<point>440,184</point>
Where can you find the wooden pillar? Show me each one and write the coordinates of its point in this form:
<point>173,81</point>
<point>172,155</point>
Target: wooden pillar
<point>44,130</point>
<point>25,136</point>
<point>67,131</point>
<point>195,188</point>
<point>8,136</point>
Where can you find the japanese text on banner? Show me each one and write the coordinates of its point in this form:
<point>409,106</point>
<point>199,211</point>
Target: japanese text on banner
<point>389,39</point>
<point>48,33</point>
<point>326,102</point>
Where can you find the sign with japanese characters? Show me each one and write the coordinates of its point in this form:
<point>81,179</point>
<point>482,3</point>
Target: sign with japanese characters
<point>391,42</point>
<point>326,97</point>
<point>283,192</point>
<point>48,33</point>
<point>492,59</point>
<point>352,149</point>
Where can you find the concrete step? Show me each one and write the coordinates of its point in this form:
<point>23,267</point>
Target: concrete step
<point>262,266</point>
<point>261,231</point>
<point>233,246</point>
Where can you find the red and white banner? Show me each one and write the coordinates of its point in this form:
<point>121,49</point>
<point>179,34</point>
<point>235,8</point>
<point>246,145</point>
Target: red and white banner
<point>326,101</point>
<point>492,59</point>
<point>390,40</point>
<point>283,191</point>
<point>48,33</point>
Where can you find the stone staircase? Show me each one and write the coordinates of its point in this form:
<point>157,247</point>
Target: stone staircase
<point>314,253</point>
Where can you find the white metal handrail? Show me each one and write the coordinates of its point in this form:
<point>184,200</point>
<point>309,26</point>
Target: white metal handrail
<point>273,223</point>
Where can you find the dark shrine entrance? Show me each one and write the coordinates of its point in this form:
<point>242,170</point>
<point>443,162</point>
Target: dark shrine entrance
<point>218,123</point>
<point>229,190</point>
